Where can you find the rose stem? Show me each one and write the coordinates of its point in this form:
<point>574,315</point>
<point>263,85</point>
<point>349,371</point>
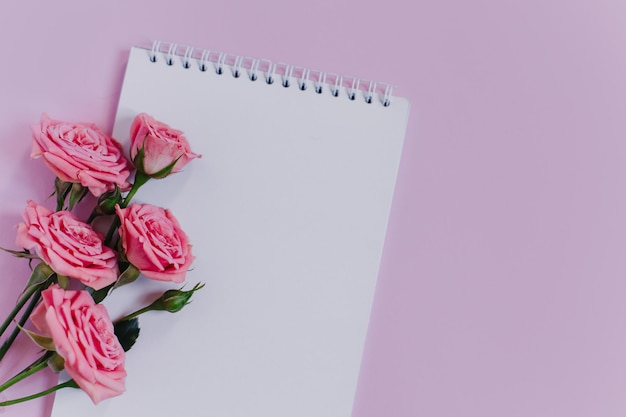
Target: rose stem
<point>68,384</point>
<point>138,312</point>
<point>140,179</point>
<point>34,367</point>
<point>7,344</point>
<point>17,308</point>
<point>92,216</point>
<point>109,236</point>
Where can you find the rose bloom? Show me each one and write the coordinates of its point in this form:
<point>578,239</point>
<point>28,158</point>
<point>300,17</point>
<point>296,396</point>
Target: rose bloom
<point>81,153</point>
<point>83,336</point>
<point>154,242</point>
<point>162,145</point>
<point>69,246</point>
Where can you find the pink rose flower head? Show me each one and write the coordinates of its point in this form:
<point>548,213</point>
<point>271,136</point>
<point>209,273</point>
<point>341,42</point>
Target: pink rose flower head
<point>69,246</point>
<point>84,337</point>
<point>162,146</point>
<point>154,242</point>
<point>81,153</point>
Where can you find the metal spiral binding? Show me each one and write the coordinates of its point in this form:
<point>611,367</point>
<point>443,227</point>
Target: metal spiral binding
<point>287,75</point>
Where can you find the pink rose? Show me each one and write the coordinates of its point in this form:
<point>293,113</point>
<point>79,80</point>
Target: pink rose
<point>69,246</point>
<point>162,146</point>
<point>154,242</point>
<point>83,336</point>
<point>80,153</point>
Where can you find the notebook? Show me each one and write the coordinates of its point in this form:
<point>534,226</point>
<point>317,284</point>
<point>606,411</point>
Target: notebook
<point>286,210</point>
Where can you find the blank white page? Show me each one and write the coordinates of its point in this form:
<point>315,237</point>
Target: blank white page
<point>287,211</point>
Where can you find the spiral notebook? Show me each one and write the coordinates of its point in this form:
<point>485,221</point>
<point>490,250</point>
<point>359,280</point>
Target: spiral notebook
<point>286,210</point>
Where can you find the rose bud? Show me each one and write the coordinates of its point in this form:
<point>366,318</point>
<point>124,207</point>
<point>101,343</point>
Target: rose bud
<point>172,301</point>
<point>156,149</point>
<point>108,201</point>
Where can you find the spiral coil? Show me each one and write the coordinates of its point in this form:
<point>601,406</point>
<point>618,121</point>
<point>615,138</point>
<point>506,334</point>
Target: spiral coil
<point>287,75</point>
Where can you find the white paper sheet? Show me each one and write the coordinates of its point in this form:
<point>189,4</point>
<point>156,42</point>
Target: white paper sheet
<point>287,212</point>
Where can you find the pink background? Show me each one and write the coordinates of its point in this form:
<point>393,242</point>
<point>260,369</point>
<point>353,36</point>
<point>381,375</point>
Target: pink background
<point>503,285</point>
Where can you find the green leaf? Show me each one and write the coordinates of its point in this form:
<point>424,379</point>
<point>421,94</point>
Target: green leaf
<point>56,363</point>
<point>77,193</point>
<point>127,332</point>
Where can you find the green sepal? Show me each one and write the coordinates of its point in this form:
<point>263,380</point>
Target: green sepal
<point>40,340</point>
<point>165,171</point>
<point>21,253</point>
<point>127,332</point>
<point>77,193</point>
<point>56,363</point>
<point>108,201</point>
<point>138,160</point>
<point>130,274</point>
<point>101,294</point>
<point>61,189</point>
<point>122,260</point>
<point>63,281</point>
<point>139,163</point>
<point>39,276</point>
<point>174,300</point>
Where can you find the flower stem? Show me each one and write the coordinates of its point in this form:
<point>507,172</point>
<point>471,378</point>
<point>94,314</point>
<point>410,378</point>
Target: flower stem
<point>112,228</point>
<point>138,312</point>
<point>33,303</point>
<point>171,300</point>
<point>17,308</point>
<point>140,179</point>
<point>92,216</point>
<point>68,384</point>
<point>34,367</point>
